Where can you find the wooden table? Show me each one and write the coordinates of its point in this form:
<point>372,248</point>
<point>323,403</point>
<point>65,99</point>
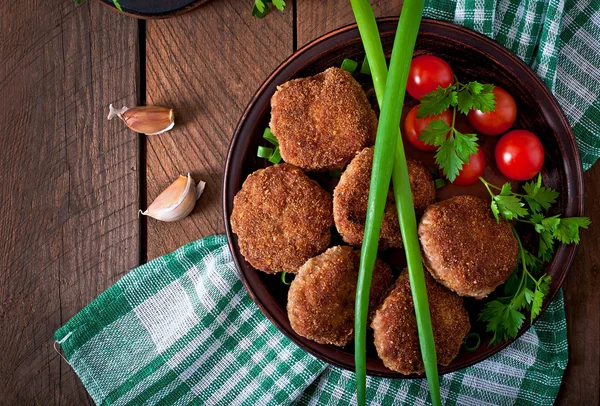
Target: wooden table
<point>71,182</point>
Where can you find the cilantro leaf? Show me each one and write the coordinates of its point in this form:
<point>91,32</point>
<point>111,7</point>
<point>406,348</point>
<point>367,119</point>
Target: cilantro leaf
<point>485,100</point>
<point>435,133</point>
<point>503,319</point>
<point>495,210</point>
<point>522,299</point>
<point>550,223</point>
<point>464,102</point>
<point>256,11</point>
<point>546,247</point>
<point>506,189</point>
<point>567,230</point>
<point>542,287</point>
<point>466,145</point>
<point>437,101</point>
<point>524,289</point>
<point>510,206</point>
<point>279,4</point>
<point>261,5</point>
<point>454,151</point>
<point>476,96</point>
<point>448,160</point>
<point>529,295</point>
<point>532,262</point>
<point>538,197</point>
<point>475,88</point>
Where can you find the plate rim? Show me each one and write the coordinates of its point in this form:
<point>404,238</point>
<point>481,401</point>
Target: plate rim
<point>144,16</point>
<point>567,252</point>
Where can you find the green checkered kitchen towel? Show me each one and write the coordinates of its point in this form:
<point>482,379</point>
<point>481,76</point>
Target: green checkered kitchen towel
<point>182,330</point>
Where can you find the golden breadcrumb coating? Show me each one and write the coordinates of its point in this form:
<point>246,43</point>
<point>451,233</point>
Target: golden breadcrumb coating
<point>322,295</point>
<point>281,218</point>
<point>395,326</point>
<point>323,121</point>
<point>465,248</point>
<point>351,195</point>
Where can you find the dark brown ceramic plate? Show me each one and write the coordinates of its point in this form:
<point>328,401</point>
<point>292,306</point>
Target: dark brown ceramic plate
<point>472,56</point>
<point>154,8</point>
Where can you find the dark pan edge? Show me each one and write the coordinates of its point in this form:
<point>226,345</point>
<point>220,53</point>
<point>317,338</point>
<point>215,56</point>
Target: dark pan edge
<point>159,16</point>
<point>574,206</point>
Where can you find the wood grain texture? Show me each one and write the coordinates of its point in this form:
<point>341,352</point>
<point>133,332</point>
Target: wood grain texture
<point>68,186</point>
<point>581,383</point>
<point>69,179</point>
<point>206,65</point>
<point>317,17</point>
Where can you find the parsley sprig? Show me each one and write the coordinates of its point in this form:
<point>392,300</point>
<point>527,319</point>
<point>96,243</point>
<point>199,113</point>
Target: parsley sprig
<point>261,7</point>
<point>454,147</point>
<point>527,287</point>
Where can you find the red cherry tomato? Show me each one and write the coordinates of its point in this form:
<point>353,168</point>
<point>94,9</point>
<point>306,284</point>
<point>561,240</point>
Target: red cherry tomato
<point>519,155</point>
<point>472,170</point>
<point>413,127</point>
<point>500,119</point>
<point>426,73</point>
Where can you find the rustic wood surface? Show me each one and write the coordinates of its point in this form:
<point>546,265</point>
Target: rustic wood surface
<point>71,182</point>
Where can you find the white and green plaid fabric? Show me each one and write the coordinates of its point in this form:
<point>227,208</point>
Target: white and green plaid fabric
<point>182,330</point>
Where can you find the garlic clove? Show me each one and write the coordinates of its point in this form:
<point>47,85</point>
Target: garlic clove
<point>177,200</point>
<point>149,120</point>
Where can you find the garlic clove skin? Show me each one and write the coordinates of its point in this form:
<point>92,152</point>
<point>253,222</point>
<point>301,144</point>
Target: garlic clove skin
<point>177,201</point>
<point>149,120</point>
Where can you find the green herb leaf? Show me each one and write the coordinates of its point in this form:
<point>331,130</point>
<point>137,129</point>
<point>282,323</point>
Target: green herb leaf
<point>452,152</point>
<point>510,207</point>
<point>567,231</point>
<point>550,223</point>
<point>502,319</point>
<point>485,100</point>
<point>476,96</point>
<point>256,10</point>
<point>546,247</point>
<point>448,160</point>
<point>538,197</point>
<point>474,88</point>
<point>495,210</point>
<point>437,101</point>
<point>435,133</point>
<point>117,5</point>
<point>542,287</point>
<point>466,145</point>
<point>519,301</point>
<point>279,4</point>
<point>532,263</point>
<point>524,289</point>
<point>261,5</point>
<point>506,190</point>
<point>464,102</point>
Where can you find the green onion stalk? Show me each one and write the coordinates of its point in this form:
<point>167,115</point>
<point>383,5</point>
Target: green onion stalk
<point>389,148</point>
